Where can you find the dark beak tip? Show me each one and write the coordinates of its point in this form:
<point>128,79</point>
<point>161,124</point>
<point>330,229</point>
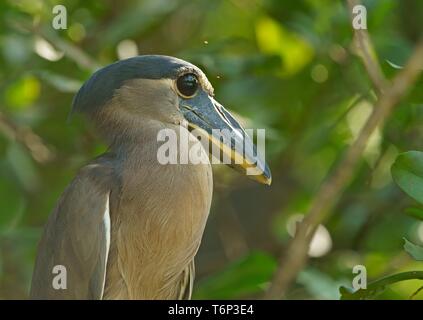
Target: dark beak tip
<point>262,179</point>
<point>269,181</point>
<point>265,177</point>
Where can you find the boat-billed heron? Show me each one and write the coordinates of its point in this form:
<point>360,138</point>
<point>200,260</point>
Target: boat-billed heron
<point>127,226</point>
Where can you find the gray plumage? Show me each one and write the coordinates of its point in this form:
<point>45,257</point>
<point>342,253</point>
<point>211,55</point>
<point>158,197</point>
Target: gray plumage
<point>128,227</point>
<point>103,83</point>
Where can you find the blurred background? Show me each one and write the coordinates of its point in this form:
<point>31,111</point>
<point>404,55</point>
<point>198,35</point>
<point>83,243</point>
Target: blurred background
<point>286,66</point>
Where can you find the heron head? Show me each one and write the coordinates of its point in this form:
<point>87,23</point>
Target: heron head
<point>169,90</point>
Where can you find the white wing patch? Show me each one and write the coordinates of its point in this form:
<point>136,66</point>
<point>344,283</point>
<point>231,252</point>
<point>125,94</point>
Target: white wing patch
<point>106,224</point>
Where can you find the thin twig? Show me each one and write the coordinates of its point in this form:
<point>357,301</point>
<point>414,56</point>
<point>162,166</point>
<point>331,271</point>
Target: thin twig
<point>416,293</point>
<point>331,189</point>
<point>39,151</point>
<point>366,51</point>
<point>379,285</point>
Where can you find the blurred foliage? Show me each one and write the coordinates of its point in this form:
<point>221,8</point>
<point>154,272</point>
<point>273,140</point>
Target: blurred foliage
<point>239,279</point>
<point>415,251</point>
<point>407,172</point>
<point>286,66</point>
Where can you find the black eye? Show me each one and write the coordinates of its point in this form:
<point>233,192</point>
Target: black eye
<point>187,85</point>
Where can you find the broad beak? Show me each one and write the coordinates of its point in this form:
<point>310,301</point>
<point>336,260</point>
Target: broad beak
<point>227,135</point>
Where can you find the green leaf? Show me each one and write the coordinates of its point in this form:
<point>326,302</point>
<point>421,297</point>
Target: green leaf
<point>23,93</point>
<point>319,284</point>
<point>416,213</point>
<point>243,277</point>
<point>272,38</point>
<point>407,172</point>
<point>413,250</point>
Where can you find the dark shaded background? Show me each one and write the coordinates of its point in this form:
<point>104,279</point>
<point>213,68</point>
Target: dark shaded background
<point>286,66</point>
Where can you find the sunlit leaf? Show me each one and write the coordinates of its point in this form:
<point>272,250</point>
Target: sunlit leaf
<point>273,38</point>
<point>23,93</point>
<point>76,32</point>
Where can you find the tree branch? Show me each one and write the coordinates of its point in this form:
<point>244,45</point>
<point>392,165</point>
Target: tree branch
<point>39,151</point>
<point>390,94</point>
<point>365,50</point>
